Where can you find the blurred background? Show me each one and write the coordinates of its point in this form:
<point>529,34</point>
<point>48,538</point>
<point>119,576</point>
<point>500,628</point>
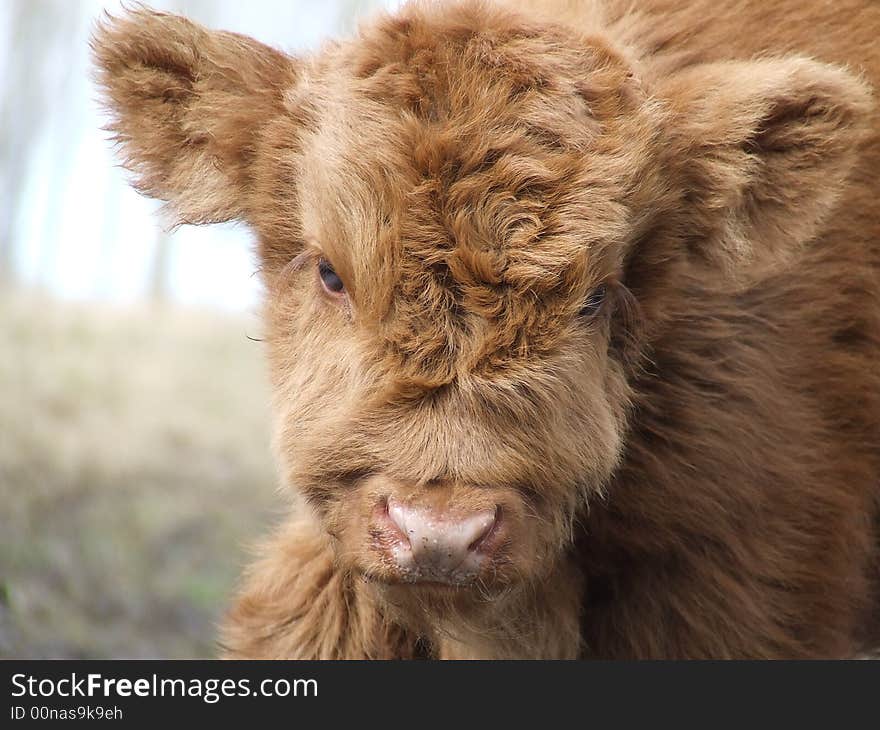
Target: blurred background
<point>134,428</point>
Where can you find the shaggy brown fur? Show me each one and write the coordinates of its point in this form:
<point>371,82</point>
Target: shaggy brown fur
<point>688,466</point>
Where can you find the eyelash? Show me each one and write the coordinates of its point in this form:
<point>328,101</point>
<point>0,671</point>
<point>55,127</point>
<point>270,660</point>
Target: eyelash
<point>594,301</point>
<point>330,280</point>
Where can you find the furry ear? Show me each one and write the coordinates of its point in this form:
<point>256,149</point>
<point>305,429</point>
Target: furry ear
<point>763,149</point>
<point>188,107</point>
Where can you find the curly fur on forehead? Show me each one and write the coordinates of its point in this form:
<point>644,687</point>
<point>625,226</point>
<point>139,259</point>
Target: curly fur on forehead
<point>497,202</point>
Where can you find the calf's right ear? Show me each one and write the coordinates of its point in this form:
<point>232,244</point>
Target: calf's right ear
<point>188,106</point>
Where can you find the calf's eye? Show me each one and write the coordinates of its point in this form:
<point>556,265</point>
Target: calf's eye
<point>594,301</point>
<point>329,278</point>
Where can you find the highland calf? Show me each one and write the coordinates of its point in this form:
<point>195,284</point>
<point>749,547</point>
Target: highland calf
<point>572,313</point>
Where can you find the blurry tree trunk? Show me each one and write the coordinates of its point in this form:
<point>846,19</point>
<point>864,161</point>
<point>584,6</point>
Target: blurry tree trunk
<point>39,30</point>
<point>159,274</point>
<point>110,233</point>
<point>14,167</point>
<point>19,113</point>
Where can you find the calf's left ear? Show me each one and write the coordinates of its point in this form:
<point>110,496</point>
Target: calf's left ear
<point>762,149</point>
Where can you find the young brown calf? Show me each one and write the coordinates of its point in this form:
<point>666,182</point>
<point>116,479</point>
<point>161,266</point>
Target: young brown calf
<point>573,317</point>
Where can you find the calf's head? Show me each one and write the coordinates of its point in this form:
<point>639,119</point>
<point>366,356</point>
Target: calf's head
<point>469,226</point>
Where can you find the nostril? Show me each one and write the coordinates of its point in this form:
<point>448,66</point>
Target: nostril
<point>489,531</point>
<point>397,514</point>
<point>395,520</point>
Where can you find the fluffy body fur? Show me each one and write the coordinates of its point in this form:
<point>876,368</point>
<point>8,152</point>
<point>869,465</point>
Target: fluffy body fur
<point>687,467</point>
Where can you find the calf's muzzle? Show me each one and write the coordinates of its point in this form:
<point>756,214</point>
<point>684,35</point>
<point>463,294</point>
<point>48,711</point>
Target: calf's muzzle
<point>428,544</point>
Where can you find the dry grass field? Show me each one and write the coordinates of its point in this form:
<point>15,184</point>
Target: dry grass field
<point>134,471</point>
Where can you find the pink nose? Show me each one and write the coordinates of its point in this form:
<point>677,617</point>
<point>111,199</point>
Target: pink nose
<point>440,546</point>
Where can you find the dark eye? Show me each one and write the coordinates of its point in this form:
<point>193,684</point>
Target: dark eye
<point>329,278</point>
<point>594,301</point>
